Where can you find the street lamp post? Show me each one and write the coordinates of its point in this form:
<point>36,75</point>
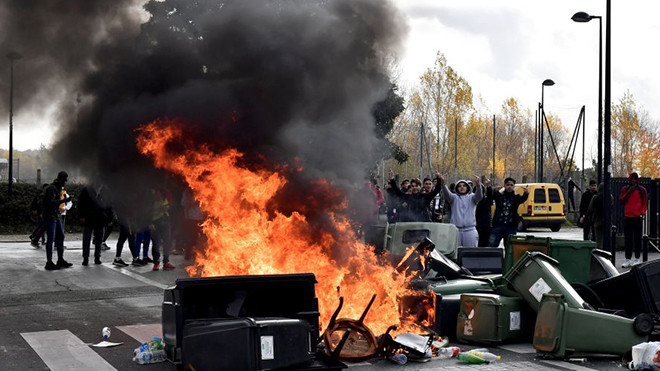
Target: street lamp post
<point>584,17</point>
<point>13,56</point>
<point>546,82</point>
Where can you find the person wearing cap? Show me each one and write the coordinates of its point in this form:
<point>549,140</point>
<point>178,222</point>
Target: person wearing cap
<point>634,198</point>
<point>505,219</point>
<point>463,205</point>
<point>586,222</point>
<point>53,221</point>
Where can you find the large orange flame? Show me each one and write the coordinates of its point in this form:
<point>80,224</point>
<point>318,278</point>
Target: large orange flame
<point>245,239</point>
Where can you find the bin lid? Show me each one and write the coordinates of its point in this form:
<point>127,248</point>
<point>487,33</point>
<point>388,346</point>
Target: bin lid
<point>549,323</point>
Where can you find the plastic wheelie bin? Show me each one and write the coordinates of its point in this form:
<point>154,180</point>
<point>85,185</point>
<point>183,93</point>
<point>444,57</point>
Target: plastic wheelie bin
<point>561,330</point>
<point>536,274</point>
<point>494,319</point>
<point>636,291</point>
<point>601,266</point>
<point>461,286</point>
<point>574,257</point>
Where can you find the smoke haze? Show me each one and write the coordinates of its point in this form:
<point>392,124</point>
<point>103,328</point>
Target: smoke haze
<point>281,81</point>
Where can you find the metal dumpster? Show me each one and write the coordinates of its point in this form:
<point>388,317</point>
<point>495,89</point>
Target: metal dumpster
<point>536,274</point>
<point>494,319</point>
<point>561,330</point>
<point>574,256</point>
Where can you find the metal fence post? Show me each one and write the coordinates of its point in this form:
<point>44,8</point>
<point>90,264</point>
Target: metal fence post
<point>645,248</point>
<point>613,241</point>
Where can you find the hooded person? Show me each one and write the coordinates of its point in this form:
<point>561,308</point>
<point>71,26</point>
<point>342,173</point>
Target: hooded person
<point>463,205</point>
<point>635,200</point>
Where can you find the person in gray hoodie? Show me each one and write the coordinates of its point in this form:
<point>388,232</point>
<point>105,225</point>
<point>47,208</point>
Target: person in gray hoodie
<point>463,205</point>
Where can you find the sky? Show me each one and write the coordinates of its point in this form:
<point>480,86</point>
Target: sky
<point>503,48</point>
<point>506,48</point>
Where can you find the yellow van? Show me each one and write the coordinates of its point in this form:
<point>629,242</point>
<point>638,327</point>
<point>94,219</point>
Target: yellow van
<point>545,206</point>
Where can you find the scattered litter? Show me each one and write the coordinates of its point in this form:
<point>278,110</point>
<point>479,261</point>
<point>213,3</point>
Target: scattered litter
<point>150,352</point>
<point>106,333</point>
<point>470,358</point>
<point>646,356</point>
<point>106,344</point>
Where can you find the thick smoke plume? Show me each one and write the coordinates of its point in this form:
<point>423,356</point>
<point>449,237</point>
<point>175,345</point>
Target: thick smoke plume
<point>287,81</point>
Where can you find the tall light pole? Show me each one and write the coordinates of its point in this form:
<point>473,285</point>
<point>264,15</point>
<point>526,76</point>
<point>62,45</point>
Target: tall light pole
<point>546,82</point>
<point>13,56</point>
<point>584,17</point>
<point>607,134</point>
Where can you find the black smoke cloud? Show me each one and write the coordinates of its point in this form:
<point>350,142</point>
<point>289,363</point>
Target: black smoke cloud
<point>278,80</point>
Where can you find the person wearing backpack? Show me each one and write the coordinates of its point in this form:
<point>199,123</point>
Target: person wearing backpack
<point>634,198</point>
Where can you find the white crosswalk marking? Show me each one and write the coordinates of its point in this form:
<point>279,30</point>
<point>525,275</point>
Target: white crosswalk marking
<point>143,333</point>
<point>62,350</point>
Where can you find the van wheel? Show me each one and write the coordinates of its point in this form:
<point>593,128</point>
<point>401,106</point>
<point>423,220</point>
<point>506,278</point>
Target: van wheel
<point>521,226</point>
<point>555,228</point>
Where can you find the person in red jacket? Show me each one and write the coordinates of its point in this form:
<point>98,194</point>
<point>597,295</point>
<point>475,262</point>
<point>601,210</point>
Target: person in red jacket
<point>633,197</point>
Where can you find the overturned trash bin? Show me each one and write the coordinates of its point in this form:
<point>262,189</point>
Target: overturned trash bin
<point>601,266</point>
<point>242,322</point>
<point>494,319</point>
<point>536,274</point>
<point>636,291</point>
<point>562,330</point>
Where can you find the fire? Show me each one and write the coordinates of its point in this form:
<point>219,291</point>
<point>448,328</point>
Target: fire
<point>244,237</point>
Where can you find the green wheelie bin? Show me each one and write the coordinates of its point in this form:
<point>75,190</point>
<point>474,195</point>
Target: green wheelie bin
<point>494,319</point>
<point>536,274</point>
<point>574,256</point>
<point>561,330</point>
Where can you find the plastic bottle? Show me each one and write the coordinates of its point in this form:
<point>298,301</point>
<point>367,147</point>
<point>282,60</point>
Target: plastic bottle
<point>106,333</point>
<point>399,358</point>
<point>448,352</point>
<point>466,357</point>
<point>488,356</point>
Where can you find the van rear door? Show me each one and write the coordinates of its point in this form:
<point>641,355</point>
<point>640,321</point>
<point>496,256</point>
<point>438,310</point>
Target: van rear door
<point>555,202</point>
<point>540,204</point>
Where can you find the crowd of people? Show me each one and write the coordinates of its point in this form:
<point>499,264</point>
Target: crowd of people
<point>465,204</point>
<point>152,227</point>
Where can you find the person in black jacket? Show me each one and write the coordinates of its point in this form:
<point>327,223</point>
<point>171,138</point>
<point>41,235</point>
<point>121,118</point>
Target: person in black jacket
<point>415,202</point>
<point>505,220</point>
<point>94,217</point>
<point>53,221</point>
<point>482,214</point>
<point>585,221</point>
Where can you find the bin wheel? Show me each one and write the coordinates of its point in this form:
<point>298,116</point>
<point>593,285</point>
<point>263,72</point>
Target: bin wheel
<point>643,324</point>
<point>555,228</point>
<point>589,295</point>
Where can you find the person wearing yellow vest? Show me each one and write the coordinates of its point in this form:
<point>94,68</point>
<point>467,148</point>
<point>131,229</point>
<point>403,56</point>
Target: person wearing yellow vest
<point>158,227</point>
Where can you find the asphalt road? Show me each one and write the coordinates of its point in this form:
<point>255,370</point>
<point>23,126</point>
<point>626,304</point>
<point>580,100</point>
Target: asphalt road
<point>49,319</point>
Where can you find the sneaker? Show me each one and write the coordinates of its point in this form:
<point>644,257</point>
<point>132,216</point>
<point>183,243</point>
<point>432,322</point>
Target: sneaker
<point>63,264</point>
<point>636,261</point>
<point>120,263</point>
<point>156,266</point>
<point>167,266</point>
<point>105,247</point>
<point>85,261</point>
<point>147,260</point>
<point>50,266</point>
<point>626,263</point>
<point>35,244</point>
<point>137,262</point>
<point>97,261</point>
